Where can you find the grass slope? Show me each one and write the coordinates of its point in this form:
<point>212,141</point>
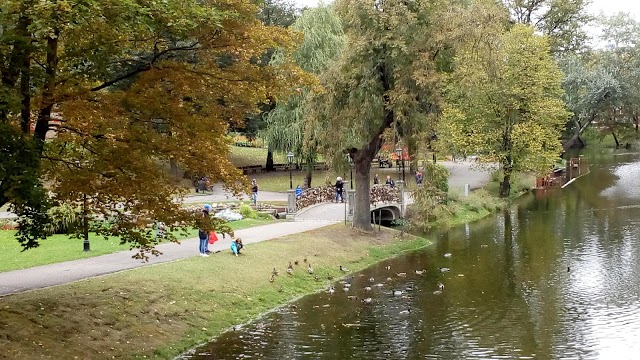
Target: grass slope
<point>160,311</point>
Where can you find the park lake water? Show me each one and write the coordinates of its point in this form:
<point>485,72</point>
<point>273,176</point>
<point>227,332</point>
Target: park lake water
<point>556,276</point>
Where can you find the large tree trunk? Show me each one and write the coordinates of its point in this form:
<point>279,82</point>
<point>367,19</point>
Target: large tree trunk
<point>507,166</point>
<point>576,141</point>
<point>173,164</point>
<point>505,185</point>
<point>615,138</point>
<point>48,95</point>
<point>309,174</point>
<point>269,164</point>
<point>362,212</point>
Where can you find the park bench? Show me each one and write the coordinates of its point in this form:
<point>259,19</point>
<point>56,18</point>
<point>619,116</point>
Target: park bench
<point>382,163</point>
<point>251,169</point>
<point>280,167</point>
<point>320,166</point>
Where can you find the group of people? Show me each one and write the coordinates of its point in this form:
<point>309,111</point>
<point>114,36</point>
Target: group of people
<point>209,238</point>
<point>389,182</point>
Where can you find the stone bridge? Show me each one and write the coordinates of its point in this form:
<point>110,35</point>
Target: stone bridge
<point>331,211</point>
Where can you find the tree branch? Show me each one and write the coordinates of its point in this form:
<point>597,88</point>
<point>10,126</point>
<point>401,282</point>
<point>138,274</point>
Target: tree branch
<point>145,67</point>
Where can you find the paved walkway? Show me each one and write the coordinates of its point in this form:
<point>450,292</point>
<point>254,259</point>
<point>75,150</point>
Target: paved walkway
<point>332,212</point>
<point>218,194</point>
<point>69,271</point>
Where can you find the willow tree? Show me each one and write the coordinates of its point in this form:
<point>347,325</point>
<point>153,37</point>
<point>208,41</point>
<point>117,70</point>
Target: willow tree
<point>322,44</point>
<point>115,89</point>
<point>386,71</point>
<point>505,102</point>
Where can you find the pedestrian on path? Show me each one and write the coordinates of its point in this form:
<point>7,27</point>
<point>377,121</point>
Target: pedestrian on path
<point>376,181</point>
<point>203,234</point>
<point>254,191</point>
<point>339,189</point>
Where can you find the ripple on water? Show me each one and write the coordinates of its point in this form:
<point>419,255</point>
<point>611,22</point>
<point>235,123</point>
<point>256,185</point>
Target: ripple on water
<point>628,183</point>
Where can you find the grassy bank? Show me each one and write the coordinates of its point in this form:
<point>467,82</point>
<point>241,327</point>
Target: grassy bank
<point>58,248</point>
<point>480,203</point>
<point>160,311</point>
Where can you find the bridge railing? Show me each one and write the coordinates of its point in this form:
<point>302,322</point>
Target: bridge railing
<point>319,195</point>
<point>384,194</point>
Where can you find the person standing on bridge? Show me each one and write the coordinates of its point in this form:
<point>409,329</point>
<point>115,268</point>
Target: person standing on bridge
<point>390,182</point>
<point>339,189</point>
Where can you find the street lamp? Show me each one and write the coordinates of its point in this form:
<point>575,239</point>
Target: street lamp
<point>399,152</point>
<point>290,158</point>
<point>350,159</point>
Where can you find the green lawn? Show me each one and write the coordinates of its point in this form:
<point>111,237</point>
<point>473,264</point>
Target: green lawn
<point>250,156</point>
<point>59,248</point>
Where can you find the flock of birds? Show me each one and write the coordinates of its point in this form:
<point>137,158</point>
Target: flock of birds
<point>346,282</point>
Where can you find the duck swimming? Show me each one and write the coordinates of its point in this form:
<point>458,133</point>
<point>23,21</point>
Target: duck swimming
<point>397,292</point>
<point>420,272</point>
<point>366,301</point>
<point>343,269</point>
<point>447,255</point>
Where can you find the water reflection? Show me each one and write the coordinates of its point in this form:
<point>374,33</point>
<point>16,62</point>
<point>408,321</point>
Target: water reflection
<point>555,277</point>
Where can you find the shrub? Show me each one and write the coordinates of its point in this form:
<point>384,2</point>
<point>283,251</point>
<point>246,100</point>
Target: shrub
<point>247,212</point>
<point>437,176</point>
<point>63,219</point>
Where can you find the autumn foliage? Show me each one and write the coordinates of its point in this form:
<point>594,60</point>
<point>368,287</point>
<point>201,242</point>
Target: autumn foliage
<point>135,86</point>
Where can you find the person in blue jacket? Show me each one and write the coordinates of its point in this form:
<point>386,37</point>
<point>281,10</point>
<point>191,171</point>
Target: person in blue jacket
<point>236,246</point>
<point>298,191</point>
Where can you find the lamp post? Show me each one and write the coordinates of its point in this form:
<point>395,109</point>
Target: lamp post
<point>290,158</point>
<point>350,170</point>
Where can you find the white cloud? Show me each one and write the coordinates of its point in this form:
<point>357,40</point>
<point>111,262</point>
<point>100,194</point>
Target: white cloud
<point>610,7</point>
<point>607,6</point>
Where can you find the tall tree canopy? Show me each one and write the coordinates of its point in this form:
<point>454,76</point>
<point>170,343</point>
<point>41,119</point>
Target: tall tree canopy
<point>386,71</point>
<point>505,102</point>
<point>561,20</point>
<point>115,90</point>
<point>603,85</point>
<point>286,126</point>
